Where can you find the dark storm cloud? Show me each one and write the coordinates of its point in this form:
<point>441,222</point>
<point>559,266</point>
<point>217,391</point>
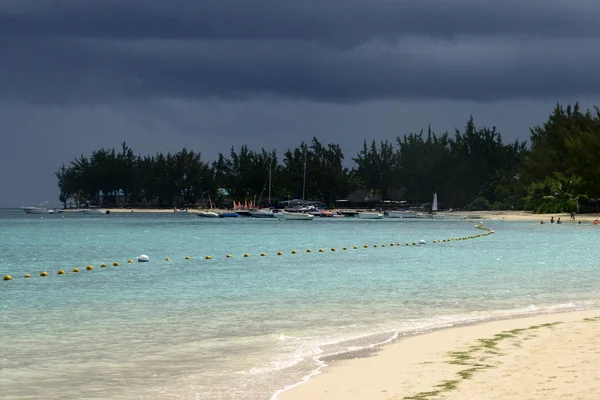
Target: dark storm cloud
<point>79,70</point>
<point>333,51</point>
<point>353,20</point>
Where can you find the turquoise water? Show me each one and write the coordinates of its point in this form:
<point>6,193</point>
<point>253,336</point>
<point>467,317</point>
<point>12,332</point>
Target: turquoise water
<point>244,328</point>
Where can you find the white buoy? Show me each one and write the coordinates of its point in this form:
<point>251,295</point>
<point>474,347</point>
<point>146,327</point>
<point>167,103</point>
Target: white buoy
<point>421,241</point>
<point>143,258</point>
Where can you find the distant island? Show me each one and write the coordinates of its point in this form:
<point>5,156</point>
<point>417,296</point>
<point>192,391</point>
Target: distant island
<point>472,169</point>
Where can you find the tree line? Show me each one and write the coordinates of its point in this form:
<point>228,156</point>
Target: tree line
<point>472,168</point>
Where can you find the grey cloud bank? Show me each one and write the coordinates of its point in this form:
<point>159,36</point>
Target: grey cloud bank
<point>207,75</point>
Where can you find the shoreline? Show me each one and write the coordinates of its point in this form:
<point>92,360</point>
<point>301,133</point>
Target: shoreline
<point>524,216</point>
<point>487,359</point>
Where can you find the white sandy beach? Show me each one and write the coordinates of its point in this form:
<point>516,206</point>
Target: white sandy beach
<point>535,362</point>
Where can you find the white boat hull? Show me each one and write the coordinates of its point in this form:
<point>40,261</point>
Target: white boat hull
<point>294,216</point>
<point>262,214</point>
<point>401,214</point>
<point>37,210</point>
<point>92,211</point>
<point>208,214</point>
<point>370,215</point>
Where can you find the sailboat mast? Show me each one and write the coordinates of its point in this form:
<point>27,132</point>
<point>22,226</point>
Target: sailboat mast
<point>270,164</point>
<point>304,177</point>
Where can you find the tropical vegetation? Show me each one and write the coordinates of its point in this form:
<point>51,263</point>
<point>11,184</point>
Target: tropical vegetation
<point>471,169</point>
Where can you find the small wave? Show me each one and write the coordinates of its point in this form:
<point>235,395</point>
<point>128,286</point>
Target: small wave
<point>320,365</point>
<point>440,322</point>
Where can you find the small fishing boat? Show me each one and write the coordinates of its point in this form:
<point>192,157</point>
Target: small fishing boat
<point>229,215</point>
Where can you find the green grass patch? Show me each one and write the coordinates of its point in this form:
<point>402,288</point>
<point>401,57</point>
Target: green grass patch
<point>591,319</point>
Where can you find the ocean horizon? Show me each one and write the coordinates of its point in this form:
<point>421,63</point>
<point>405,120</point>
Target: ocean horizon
<point>248,327</point>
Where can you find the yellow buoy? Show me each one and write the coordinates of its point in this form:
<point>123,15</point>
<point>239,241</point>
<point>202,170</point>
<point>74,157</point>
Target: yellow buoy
<point>408,244</point>
<point>293,251</point>
<point>246,255</point>
<point>228,255</point>
<point>355,247</point>
<point>27,276</point>
<point>435,241</point>
<point>374,245</point>
<point>61,272</point>
<point>366,246</point>
<point>391,244</point>
<point>89,268</point>
<point>333,249</point>
<point>279,253</point>
<point>129,261</point>
<point>383,245</point>
<point>345,248</point>
<point>308,251</point>
<point>115,264</point>
<point>75,269</point>
<point>208,258</point>
<point>263,254</point>
<point>167,259</point>
<point>321,250</point>
<point>44,273</point>
<point>414,244</point>
<point>399,244</point>
<point>103,265</point>
<point>7,278</point>
<point>187,257</point>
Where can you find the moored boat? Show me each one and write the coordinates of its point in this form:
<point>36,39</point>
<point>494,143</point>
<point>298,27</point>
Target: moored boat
<point>330,214</point>
<point>298,216</point>
<point>229,215</point>
<point>401,214</point>
<point>262,213</point>
<point>40,210</point>
<point>92,210</point>
<point>370,215</point>
<point>208,214</point>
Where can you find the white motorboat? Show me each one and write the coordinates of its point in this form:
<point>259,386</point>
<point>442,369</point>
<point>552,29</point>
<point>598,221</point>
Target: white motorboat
<point>262,213</point>
<point>370,215</point>
<point>40,210</point>
<point>402,214</point>
<point>299,216</point>
<point>208,214</point>
<point>423,215</point>
<point>92,210</point>
<point>35,210</point>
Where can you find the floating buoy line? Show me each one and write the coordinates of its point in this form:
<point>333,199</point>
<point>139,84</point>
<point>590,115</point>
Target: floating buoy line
<point>145,259</point>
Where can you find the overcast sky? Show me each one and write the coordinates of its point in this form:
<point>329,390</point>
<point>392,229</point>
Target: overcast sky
<point>77,75</point>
